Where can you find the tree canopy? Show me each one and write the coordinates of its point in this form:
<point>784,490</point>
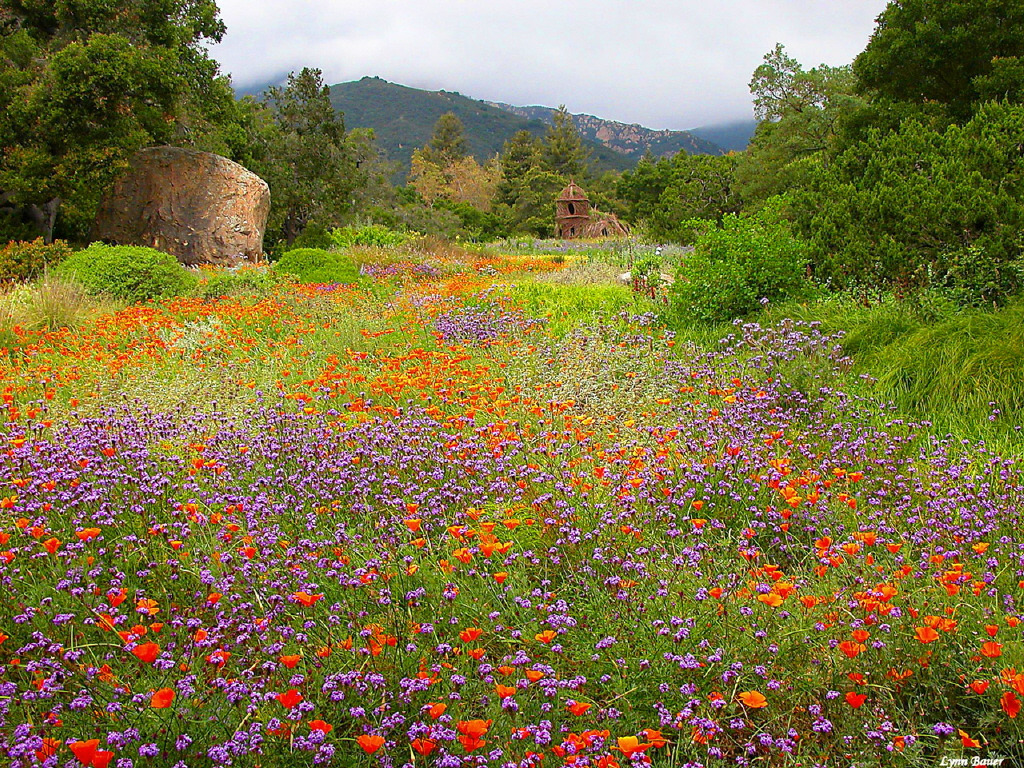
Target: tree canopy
<point>943,51</point>
<point>85,83</point>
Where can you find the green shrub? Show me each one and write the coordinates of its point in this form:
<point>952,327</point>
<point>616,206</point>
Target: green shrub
<point>373,235</point>
<point>247,281</point>
<point>128,272</point>
<point>737,265</point>
<point>25,260</point>
<point>313,265</point>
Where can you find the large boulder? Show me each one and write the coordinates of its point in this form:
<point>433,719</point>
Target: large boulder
<point>203,208</point>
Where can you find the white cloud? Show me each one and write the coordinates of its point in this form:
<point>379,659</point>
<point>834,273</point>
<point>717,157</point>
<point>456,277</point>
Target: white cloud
<point>662,63</point>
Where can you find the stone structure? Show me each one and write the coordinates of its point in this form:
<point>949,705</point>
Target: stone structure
<point>575,217</point>
<point>200,207</point>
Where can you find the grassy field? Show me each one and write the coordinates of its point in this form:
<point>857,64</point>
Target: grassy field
<point>488,510</point>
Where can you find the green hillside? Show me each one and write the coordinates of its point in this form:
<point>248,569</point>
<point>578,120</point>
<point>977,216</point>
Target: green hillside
<point>403,119</point>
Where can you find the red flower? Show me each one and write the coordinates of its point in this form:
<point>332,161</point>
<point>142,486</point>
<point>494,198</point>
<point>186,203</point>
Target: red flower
<point>146,652</point>
<point>851,649</point>
<point>753,699</point>
<point>370,744</point>
<point>88,753</point>
<point>320,725</point>
<point>162,698</point>
<point>1010,704</point>
<point>657,740</point>
<point>470,634</point>
<point>992,649</point>
<point>926,634</point>
<point>424,746</point>
<point>471,733</point>
<point>631,745</point>
<point>856,700</point>
<point>50,747</point>
<point>290,698</point>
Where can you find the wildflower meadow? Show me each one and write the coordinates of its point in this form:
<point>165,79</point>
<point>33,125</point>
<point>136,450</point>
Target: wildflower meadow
<point>425,519</point>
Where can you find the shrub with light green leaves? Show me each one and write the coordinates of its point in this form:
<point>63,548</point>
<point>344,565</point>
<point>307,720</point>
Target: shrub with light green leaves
<point>372,236</point>
<point>313,265</point>
<point>245,281</point>
<point>128,272</point>
<point>740,264</point>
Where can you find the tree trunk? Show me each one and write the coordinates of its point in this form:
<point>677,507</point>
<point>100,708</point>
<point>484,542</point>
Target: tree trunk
<point>294,225</point>
<point>44,217</point>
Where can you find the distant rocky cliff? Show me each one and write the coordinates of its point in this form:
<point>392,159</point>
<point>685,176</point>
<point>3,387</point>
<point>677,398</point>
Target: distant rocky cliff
<point>630,140</point>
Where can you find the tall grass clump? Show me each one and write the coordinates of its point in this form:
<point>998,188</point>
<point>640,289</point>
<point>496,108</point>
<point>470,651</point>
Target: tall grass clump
<point>127,272</point>
<point>314,265</point>
<point>965,373</point>
<point>50,304</point>
<point>961,370</point>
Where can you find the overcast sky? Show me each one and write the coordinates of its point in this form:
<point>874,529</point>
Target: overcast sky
<point>673,64</point>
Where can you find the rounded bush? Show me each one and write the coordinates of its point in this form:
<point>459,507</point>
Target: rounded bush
<point>314,265</point>
<point>128,272</point>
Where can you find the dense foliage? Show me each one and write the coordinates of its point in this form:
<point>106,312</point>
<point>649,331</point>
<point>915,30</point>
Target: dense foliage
<point>24,260</point>
<point>918,208</point>
<point>84,83</point>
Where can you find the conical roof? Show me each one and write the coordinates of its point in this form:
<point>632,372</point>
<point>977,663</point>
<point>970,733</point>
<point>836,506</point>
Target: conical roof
<point>573,192</point>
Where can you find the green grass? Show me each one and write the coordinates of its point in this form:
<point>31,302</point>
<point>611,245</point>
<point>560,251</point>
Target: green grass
<point>567,305</point>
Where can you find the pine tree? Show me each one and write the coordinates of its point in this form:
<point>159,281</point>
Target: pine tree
<point>564,154</point>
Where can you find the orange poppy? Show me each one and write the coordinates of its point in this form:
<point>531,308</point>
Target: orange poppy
<point>753,699</point>
<point>424,746</point>
<point>926,634</point>
<point>147,652</point>
<point>992,649</point>
<point>1010,704</point>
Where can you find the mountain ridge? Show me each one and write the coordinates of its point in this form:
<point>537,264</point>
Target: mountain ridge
<point>403,120</point>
